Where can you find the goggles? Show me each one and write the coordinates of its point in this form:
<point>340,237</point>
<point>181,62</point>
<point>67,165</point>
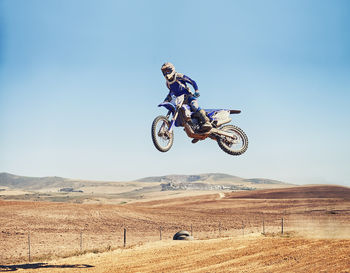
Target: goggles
<point>167,71</point>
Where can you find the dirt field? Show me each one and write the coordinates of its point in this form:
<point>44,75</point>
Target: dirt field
<point>250,254</point>
<point>227,229</point>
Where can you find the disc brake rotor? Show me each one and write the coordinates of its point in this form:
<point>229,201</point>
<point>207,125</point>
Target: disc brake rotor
<point>163,133</point>
<point>229,140</point>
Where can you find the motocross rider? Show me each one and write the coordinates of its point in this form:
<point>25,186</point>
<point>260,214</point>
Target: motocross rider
<point>176,83</point>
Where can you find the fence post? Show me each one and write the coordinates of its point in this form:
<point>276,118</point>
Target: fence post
<point>219,229</point>
<point>191,230</point>
<point>29,258</point>
<point>243,227</point>
<point>160,233</point>
<point>263,226</point>
<point>124,237</point>
<point>282,225</point>
<point>81,241</point>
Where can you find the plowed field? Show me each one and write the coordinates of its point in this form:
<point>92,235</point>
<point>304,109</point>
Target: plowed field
<point>250,254</point>
<point>227,228</point>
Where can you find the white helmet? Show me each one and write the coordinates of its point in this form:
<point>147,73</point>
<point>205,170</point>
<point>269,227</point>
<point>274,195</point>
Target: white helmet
<point>168,70</point>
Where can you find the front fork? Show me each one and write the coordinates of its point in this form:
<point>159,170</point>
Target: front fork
<point>162,130</point>
<point>172,123</point>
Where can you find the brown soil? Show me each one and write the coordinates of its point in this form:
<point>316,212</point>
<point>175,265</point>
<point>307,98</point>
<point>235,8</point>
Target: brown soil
<point>56,228</point>
<point>249,254</point>
<point>296,193</point>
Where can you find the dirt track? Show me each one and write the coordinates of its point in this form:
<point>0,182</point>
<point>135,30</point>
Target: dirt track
<point>249,254</point>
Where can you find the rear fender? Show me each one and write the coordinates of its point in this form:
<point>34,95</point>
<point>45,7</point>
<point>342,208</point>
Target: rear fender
<point>222,132</point>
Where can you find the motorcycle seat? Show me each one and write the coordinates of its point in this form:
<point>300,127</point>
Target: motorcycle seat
<point>212,111</point>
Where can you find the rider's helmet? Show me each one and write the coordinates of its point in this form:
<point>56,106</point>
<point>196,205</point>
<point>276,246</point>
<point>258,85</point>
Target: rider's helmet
<point>168,70</point>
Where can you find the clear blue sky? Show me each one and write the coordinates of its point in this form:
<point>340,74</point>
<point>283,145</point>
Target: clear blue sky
<point>80,82</point>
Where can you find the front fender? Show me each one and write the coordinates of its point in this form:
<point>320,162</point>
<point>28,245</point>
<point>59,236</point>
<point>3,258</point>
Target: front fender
<point>168,106</point>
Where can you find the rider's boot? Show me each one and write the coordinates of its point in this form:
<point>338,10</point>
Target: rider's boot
<point>206,126</point>
<point>195,140</point>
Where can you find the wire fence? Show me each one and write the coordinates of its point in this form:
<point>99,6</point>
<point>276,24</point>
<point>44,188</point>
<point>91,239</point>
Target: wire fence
<point>41,245</point>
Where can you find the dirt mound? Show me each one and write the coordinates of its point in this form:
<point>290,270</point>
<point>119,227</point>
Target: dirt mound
<point>325,191</point>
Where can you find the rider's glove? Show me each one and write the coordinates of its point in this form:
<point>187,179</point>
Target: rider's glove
<point>196,94</point>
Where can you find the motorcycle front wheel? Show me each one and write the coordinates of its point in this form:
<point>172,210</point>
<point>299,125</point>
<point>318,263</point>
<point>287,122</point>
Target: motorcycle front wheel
<point>161,137</point>
<point>236,145</point>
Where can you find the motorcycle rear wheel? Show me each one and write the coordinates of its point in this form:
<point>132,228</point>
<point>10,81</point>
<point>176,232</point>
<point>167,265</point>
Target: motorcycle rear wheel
<point>236,146</point>
<point>161,137</point>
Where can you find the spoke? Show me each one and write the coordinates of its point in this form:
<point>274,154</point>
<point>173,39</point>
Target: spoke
<point>229,142</point>
<point>163,138</point>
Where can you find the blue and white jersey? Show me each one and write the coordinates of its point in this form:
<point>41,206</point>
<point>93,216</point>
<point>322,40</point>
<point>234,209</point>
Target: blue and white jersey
<point>179,86</point>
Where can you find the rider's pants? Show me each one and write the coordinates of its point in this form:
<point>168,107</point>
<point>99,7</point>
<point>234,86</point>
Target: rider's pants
<point>192,101</point>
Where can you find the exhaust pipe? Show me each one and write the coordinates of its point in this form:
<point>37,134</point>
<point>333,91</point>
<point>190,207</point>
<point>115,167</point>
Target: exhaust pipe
<point>192,134</point>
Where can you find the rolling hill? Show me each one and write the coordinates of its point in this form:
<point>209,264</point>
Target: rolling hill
<point>23,182</point>
<point>35,183</point>
<point>208,177</point>
<point>53,188</point>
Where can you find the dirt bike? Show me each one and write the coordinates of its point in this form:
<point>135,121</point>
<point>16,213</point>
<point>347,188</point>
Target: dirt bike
<point>230,138</point>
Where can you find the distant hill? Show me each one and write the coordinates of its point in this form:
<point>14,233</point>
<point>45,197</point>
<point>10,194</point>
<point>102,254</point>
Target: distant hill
<point>208,177</point>
<point>207,181</point>
<point>36,183</point>
<point>188,178</point>
<point>263,181</point>
<point>15,181</point>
